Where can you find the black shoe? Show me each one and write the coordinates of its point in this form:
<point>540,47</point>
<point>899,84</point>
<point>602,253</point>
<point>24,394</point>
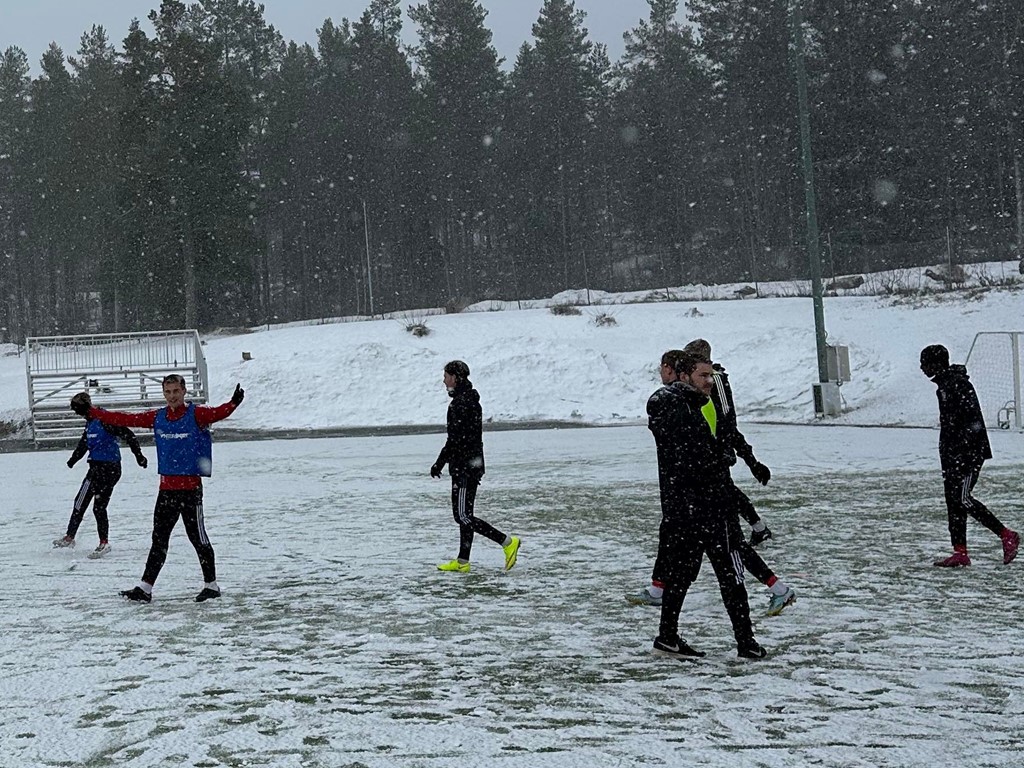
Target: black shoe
<point>676,648</point>
<point>137,595</point>
<point>207,594</point>
<point>756,537</point>
<point>752,651</point>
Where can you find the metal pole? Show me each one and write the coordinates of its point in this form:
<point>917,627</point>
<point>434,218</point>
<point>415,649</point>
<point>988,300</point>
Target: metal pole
<point>586,274</point>
<point>949,257</point>
<point>369,271</point>
<point>1018,405</point>
<point>813,254</point>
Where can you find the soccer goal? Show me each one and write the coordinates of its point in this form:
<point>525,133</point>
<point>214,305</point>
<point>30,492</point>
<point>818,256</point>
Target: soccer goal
<point>120,371</point>
<point>994,362</point>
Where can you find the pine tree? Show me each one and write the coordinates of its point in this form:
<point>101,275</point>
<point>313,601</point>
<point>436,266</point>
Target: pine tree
<point>663,113</point>
<point>14,257</point>
<point>552,124</point>
<point>286,171</point>
<point>203,126</point>
<point>52,231</point>
<point>457,130</point>
<point>747,46</point>
<point>96,159</point>
<point>384,98</point>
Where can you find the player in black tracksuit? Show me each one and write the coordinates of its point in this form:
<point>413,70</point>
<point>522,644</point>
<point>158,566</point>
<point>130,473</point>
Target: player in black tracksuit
<point>463,453</point>
<point>100,442</point>
<point>963,449</point>
<point>735,443</point>
<point>693,478</point>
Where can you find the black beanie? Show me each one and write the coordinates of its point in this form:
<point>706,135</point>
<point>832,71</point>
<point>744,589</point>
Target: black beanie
<point>457,368</point>
<point>935,357</point>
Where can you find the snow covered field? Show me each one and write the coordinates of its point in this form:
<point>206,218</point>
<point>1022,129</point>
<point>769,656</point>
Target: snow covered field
<point>337,643</point>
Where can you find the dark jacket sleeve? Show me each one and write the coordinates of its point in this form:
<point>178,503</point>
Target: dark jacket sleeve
<point>728,428</point>
<point>668,430</point>
<point>123,433</point>
<point>463,450</point>
<point>81,449</point>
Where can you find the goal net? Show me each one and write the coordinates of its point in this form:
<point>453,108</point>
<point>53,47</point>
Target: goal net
<point>994,363</point>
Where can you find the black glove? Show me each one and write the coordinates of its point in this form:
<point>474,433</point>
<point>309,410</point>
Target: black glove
<point>71,463</point>
<point>82,409</point>
<point>238,395</point>
<point>142,460</point>
<point>435,471</point>
<point>760,472</point>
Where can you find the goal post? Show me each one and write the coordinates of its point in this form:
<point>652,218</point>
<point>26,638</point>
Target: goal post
<point>120,371</point>
<point>994,362</point>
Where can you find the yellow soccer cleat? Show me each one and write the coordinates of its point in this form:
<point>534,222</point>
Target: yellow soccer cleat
<point>453,565</point>
<point>511,552</point>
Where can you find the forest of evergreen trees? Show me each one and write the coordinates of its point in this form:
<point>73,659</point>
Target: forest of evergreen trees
<point>212,174</point>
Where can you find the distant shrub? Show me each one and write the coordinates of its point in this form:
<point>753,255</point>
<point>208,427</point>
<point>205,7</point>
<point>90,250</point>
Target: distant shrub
<point>694,312</point>
<point>894,282</point>
<point>604,320</point>
<point>565,309</point>
<point>989,280</point>
<point>416,325</point>
<point>8,428</point>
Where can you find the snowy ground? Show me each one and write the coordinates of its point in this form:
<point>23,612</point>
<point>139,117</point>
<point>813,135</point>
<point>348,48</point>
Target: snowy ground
<point>337,643</point>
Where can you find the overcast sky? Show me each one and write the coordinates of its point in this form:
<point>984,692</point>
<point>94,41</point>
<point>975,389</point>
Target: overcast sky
<point>33,24</point>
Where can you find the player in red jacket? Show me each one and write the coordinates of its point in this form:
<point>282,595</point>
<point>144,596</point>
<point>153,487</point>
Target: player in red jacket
<point>183,459</point>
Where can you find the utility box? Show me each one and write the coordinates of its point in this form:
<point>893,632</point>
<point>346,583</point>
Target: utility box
<point>837,360</point>
<point>826,399</point>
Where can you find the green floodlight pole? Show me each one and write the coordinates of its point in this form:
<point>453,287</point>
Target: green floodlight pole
<point>813,253</point>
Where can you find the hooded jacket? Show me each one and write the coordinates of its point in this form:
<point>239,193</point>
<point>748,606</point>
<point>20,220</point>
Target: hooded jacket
<point>690,458</point>
<point>963,441</point>
<point>463,451</point>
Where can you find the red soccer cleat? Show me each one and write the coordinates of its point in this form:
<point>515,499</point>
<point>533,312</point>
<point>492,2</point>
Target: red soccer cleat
<point>1011,542</point>
<point>956,560</point>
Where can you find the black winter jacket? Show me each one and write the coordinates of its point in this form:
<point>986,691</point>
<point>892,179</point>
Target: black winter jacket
<point>463,451</point>
<point>963,441</point>
<point>690,458</point>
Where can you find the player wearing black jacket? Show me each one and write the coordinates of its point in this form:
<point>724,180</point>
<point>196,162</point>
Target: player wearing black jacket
<point>100,442</point>
<point>963,449</point>
<point>463,452</point>
<point>692,477</point>
<point>721,418</point>
<point>735,443</point>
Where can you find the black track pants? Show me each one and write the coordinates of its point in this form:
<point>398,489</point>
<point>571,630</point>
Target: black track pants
<point>688,542</point>
<point>463,497</point>
<point>958,485</point>
<point>97,487</point>
<point>188,505</point>
<point>752,561</point>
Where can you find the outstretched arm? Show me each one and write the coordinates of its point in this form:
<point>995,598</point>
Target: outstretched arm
<point>205,415</point>
<point>146,419</point>
<point>123,433</point>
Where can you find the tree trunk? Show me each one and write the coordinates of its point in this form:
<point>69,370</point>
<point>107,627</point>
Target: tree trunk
<point>191,309</point>
<point>1018,188</point>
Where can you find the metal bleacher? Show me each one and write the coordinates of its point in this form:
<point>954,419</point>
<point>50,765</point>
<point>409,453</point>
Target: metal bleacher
<point>120,371</point>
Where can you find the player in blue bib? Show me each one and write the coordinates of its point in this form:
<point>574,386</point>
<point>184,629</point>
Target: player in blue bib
<point>101,442</point>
